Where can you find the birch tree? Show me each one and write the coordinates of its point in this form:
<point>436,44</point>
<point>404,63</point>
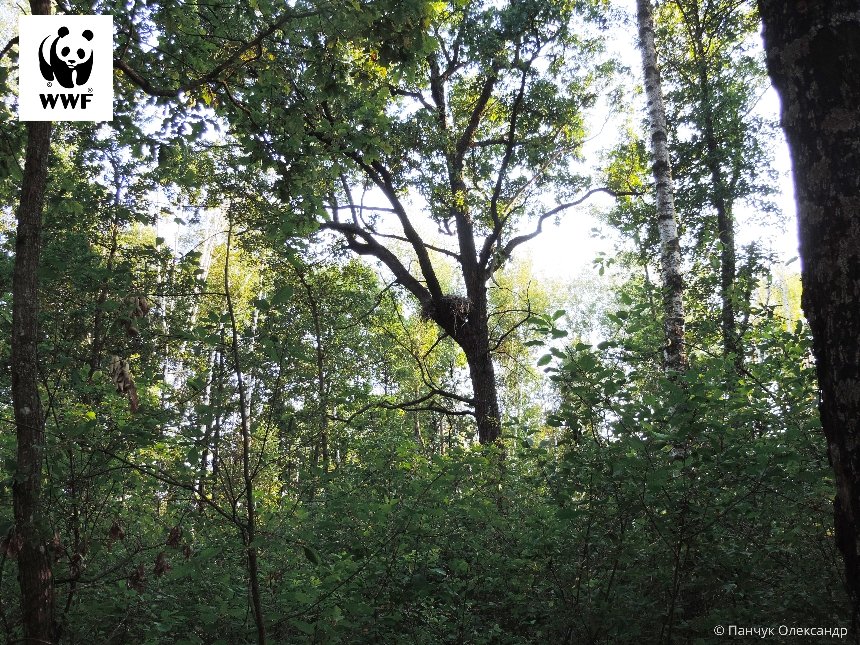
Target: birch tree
<point>670,251</point>
<point>714,79</point>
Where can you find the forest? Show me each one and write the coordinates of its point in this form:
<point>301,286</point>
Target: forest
<point>277,364</point>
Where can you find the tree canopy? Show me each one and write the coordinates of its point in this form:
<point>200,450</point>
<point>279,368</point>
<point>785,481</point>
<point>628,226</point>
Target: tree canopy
<point>277,367</point>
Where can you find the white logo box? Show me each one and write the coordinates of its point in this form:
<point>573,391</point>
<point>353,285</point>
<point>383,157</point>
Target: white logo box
<point>65,68</point>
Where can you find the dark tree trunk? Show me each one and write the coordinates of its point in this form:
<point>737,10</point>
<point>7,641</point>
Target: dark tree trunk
<point>249,527</point>
<point>728,270</point>
<point>813,56</point>
<point>475,342</point>
<point>466,320</point>
<point>720,193</point>
<point>483,377</point>
<point>725,224</point>
<point>34,569</point>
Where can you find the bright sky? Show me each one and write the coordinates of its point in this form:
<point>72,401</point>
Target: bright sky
<point>565,250</point>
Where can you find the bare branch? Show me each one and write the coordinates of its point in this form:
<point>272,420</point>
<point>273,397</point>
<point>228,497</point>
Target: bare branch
<point>162,476</point>
<point>487,143</point>
<point>414,405</point>
<point>518,196</point>
<point>419,361</point>
<point>370,246</point>
<point>430,247</point>
<point>435,344</point>
<point>8,47</point>
<point>465,141</point>
<point>382,177</point>
<point>510,331</point>
<point>362,207</point>
<point>509,150</point>
<point>418,244</point>
<point>418,96</point>
<point>359,319</point>
<point>505,253</point>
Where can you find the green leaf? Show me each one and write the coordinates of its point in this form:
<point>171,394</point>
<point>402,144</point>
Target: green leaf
<point>568,513</point>
<point>311,555</point>
<point>302,626</point>
<point>282,296</point>
<point>197,383</point>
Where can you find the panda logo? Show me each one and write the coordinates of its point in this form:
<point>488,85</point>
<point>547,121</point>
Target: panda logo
<point>65,55</point>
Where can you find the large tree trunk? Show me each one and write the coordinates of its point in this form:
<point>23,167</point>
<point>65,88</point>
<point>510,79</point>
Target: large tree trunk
<point>34,570</point>
<point>813,56</point>
<point>467,321</point>
<point>670,250</point>
<point>476,345</point>
<point>483,377</point>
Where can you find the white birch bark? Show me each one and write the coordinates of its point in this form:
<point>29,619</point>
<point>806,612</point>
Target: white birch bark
<point>670,251</point>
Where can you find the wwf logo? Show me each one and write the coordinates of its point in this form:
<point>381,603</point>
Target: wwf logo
<point>65,68</point>
<point>68,57</point>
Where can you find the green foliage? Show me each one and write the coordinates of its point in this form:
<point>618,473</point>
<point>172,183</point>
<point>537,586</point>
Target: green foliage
<point>623,506</point>
<point>701,479</point>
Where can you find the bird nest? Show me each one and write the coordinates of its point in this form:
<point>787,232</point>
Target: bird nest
<point>456,306</point>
